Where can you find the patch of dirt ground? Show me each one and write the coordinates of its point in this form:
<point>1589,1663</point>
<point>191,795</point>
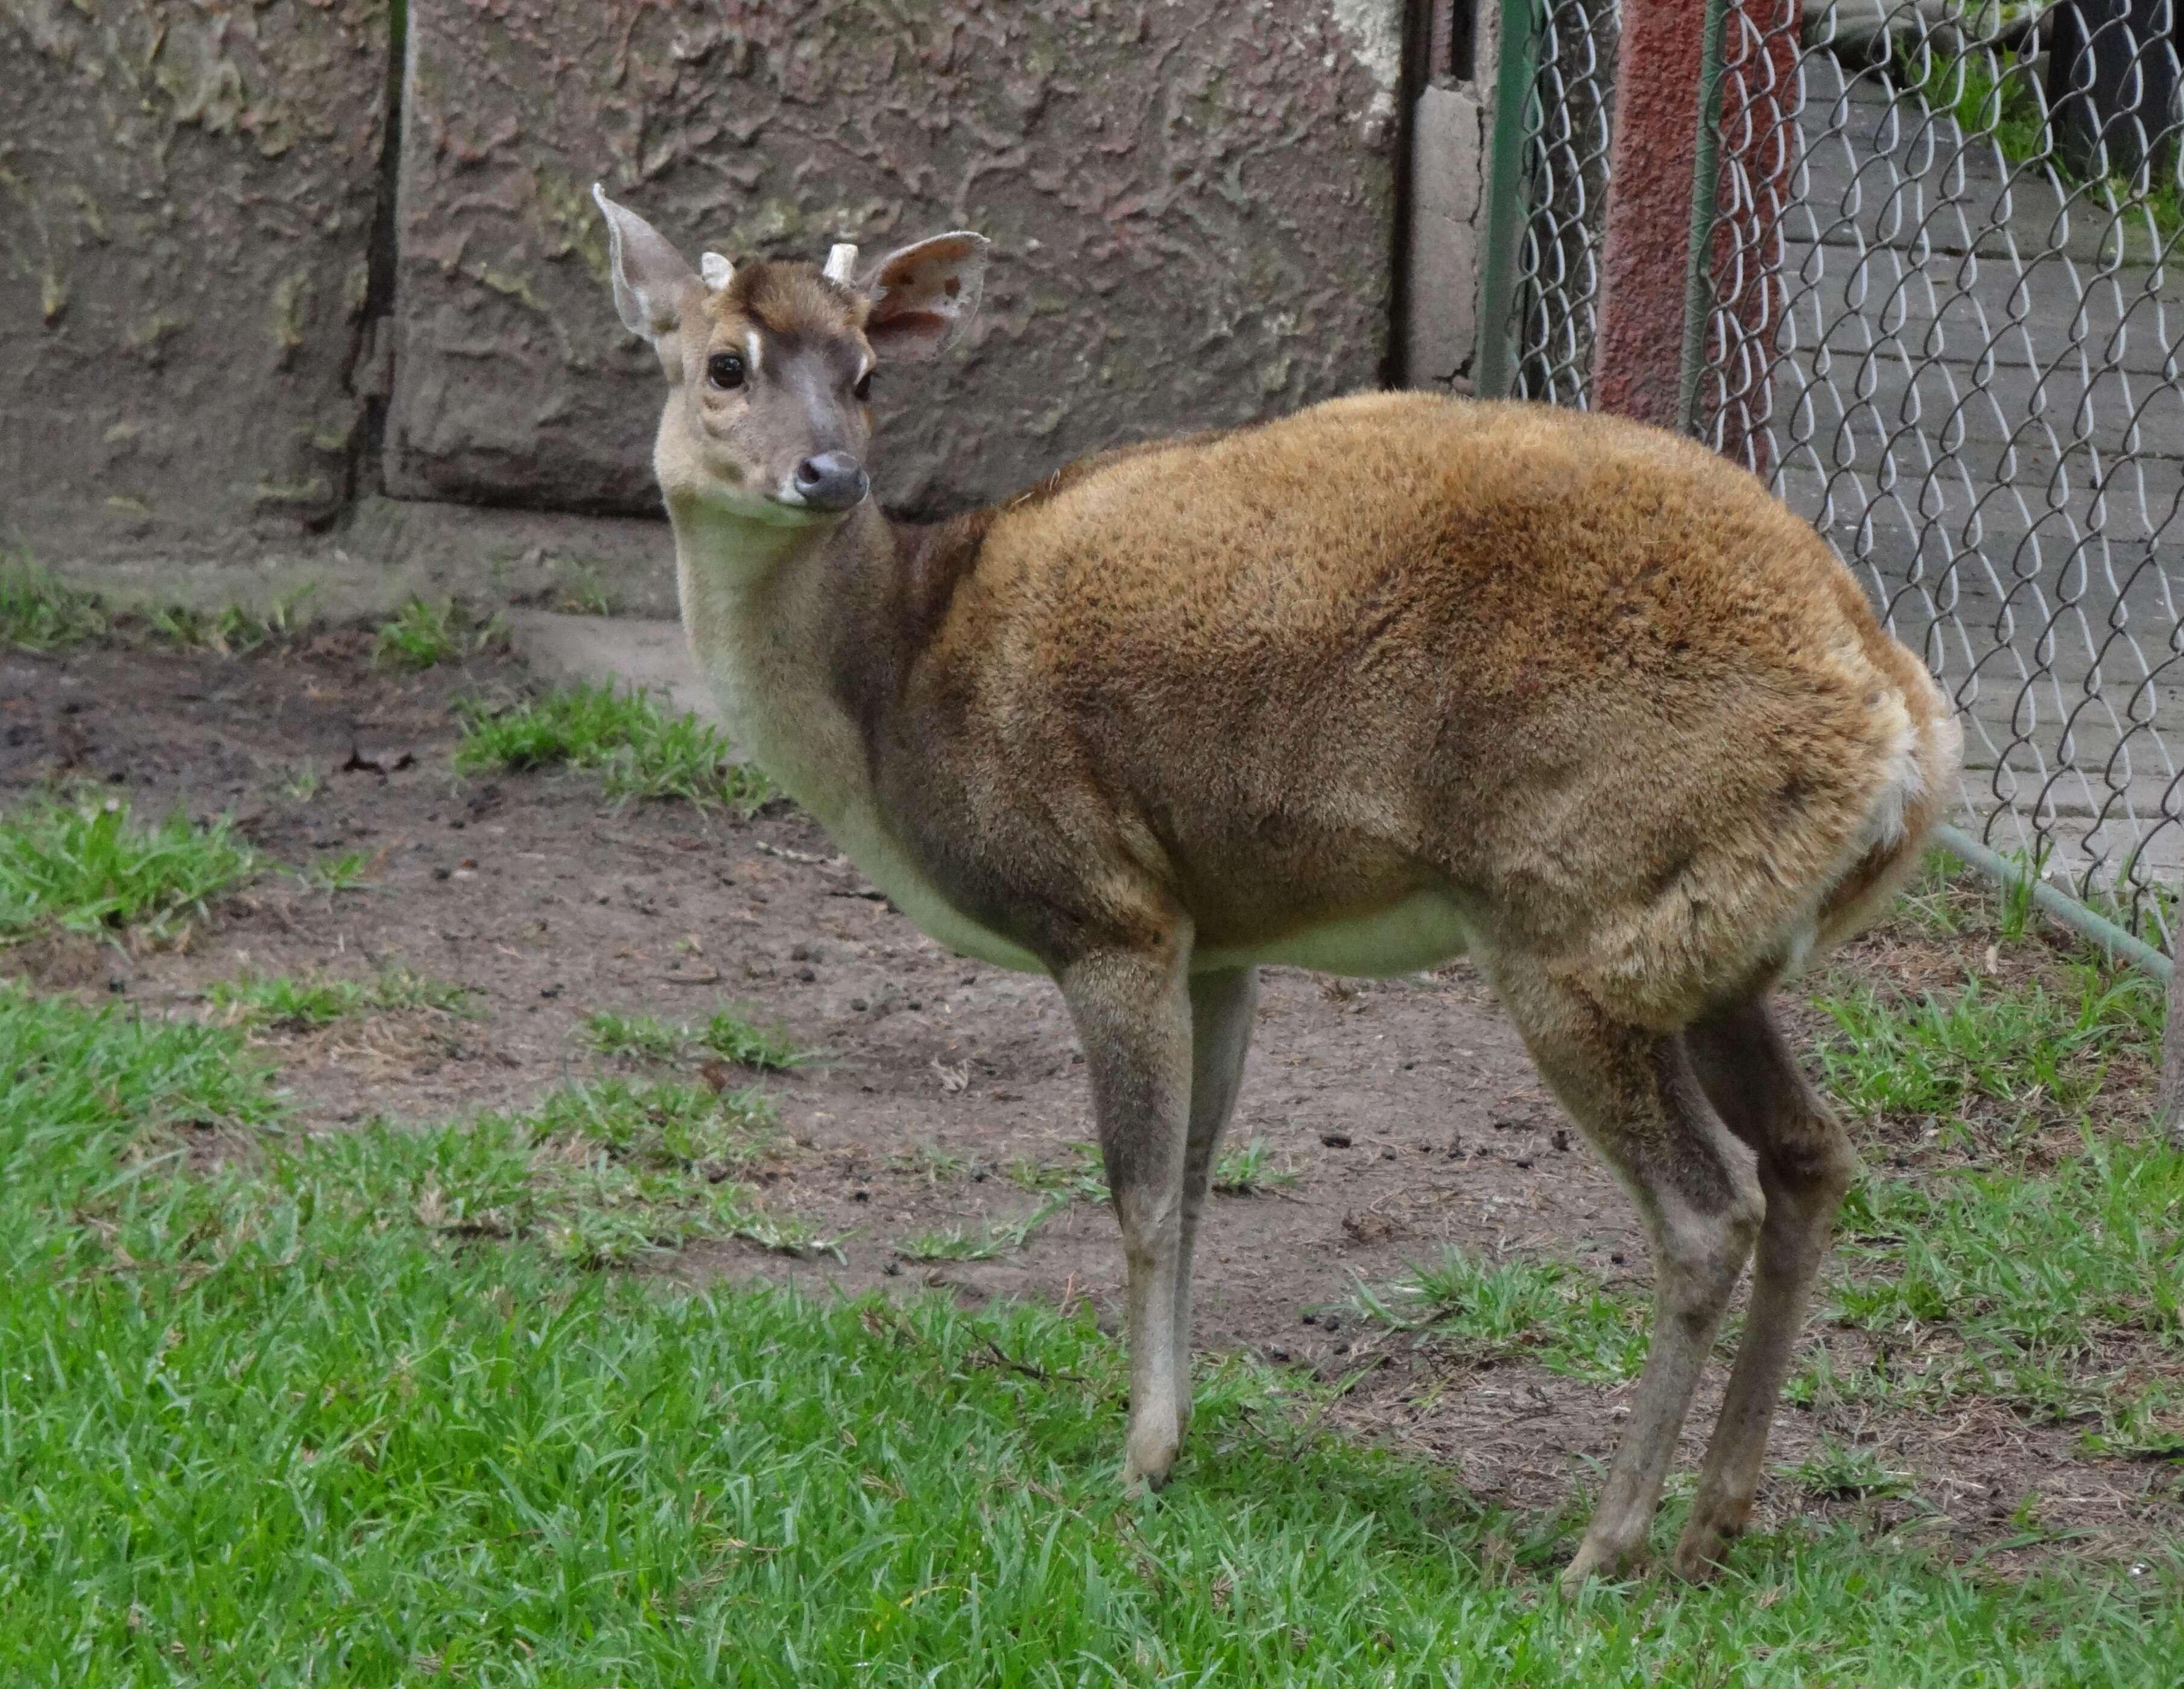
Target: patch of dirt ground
<point>1407,1110</point>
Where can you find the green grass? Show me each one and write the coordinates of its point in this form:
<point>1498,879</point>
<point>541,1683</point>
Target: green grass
<point>88,867</point>
<point>644,1037</point>
<point>1838,1474</point>
<point>301,783</point>
<point>603,1173</point>
<point>986,1243</point>
<point>2048,1276</point>
<point>234,631</point>
<point>351,871</point>
<point>1991,91</point>
<point>1950,899</point>
<point>2044,1044</point>
<point>2060,1292</point>
<point>284,1004</point>
<point>1545,1311</point>
<point>2020,910</point>
<point>99,1091</point>
<point>635,1037</point>
<point>1946,898</point>
<point>2038,1263</point>
<point>584,594</point>
<point>1248,1169</point>
<point>421,634</point>
<point>766,1048</point>
<point>636,750</point>
<point>1995,92</point>
<point>688,1126</point>
<point>1084,1180</point>
<point>324,1416</point>
<point>41,612</point>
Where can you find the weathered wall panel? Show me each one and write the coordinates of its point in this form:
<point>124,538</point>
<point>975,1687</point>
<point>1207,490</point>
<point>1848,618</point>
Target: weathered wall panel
<point>187,189</point>
<point>1191,203</point>
<point>1447,211</point>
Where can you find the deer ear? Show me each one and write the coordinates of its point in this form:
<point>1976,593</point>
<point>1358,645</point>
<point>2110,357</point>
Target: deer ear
<point>924,295</point>
<point>653,286</point>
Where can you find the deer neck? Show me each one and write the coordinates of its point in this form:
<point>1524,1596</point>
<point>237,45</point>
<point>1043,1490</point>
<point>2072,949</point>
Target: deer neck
<point>767,609</point>
<point>799,637</point>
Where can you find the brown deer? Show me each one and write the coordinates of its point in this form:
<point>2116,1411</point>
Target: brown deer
<point>1394,680</point>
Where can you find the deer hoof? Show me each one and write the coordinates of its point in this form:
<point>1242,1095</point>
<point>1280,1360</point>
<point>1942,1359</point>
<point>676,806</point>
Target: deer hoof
<point>1148,1461</point>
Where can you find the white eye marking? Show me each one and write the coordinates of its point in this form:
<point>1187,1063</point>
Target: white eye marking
<point>717,271</point>
<point>750,346</point>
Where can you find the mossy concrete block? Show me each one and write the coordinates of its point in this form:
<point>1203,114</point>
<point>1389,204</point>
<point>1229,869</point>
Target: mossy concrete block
<point>187,193</point>
<point>1192,204</point>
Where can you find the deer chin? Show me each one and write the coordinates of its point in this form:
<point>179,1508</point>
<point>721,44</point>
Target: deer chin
<point>786,510</point>
<point>779,507</point>
<point>793,505</point>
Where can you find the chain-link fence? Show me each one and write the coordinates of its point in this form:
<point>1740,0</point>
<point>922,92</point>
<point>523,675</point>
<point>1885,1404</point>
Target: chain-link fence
<point>1947,329</point>
<point>1569,95</point>
<point>1944,323</point>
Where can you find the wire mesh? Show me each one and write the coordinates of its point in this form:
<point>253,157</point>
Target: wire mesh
<point>1566,118</point>
<point>1945,327</point>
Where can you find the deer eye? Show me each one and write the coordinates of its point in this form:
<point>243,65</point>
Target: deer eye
<point>725,369</point>
<point>863,390</point>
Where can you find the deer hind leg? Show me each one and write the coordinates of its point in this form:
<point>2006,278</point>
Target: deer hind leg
<point>1222,1005</point>
<point>1633,1093</point>
<point>1806,1163</point>
<point>1133,1013</point>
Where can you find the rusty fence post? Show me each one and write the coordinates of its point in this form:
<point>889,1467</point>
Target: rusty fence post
<point>1645,243</point>
<point>1746,293</point>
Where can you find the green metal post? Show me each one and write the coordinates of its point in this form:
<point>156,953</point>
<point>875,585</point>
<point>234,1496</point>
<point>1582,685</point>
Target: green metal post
<point>1493,369</point>
<point>1706,190</point>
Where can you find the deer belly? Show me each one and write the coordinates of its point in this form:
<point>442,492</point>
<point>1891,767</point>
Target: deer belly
<point>1417,932</point>
<point>1407,937</point>
<point>928,911</point>
<point>948,926</point>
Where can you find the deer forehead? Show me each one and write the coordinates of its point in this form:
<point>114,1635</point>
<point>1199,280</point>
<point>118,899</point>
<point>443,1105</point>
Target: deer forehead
<point>791,304</point>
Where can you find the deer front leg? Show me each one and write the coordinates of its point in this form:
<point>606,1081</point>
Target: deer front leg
<point>1133,1013</point>
<point>1222,1005</point>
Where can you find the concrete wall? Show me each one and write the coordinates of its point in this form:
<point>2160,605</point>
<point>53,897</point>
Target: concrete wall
<point>1450,116</point>
<point>1447,233</point>
<point>187,203</point>
<point>213,336</point>
<point>1192,205</point>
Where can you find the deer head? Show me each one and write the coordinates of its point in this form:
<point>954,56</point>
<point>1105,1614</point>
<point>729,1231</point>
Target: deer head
<point>770,366</point>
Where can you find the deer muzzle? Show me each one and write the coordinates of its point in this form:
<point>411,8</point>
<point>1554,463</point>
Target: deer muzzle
<point>831,480</point>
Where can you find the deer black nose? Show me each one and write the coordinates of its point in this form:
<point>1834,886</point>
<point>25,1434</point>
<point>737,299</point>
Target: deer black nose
<point>832,480</point>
